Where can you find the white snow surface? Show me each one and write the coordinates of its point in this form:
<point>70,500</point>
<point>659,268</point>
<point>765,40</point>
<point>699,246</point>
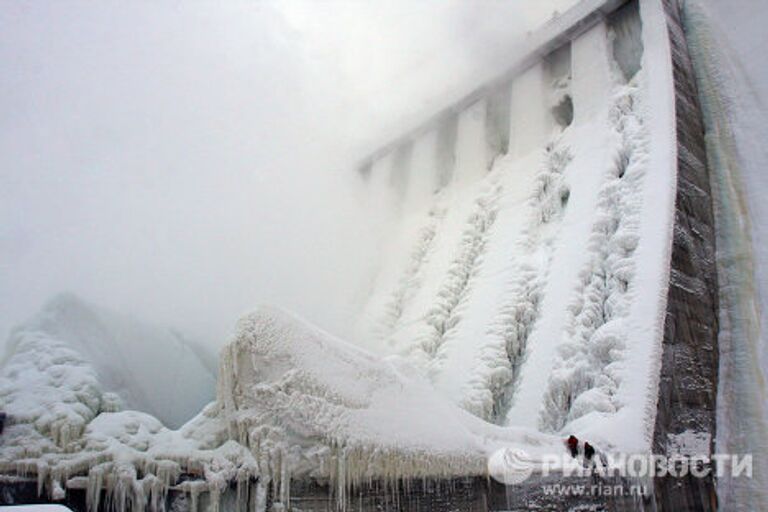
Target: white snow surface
<point>535,295</point>
<point>520,303</point>
<point>72,345</point>
<point>292,401</point>
<point>352,397</point>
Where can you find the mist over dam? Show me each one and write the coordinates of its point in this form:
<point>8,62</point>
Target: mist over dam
<point>548,266</point>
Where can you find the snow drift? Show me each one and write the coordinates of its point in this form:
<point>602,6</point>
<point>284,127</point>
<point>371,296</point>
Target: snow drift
<point>78,346</point>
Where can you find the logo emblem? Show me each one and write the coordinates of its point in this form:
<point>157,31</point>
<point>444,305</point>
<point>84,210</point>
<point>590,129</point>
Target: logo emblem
<point>510,466</point>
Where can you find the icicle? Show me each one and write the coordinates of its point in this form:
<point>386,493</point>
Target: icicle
<point>42,472</point>
<point>215,497</point>
<point>196,490</point>
<point>262,486</point>
<point>124,490</point>
<point>57,491</point>
<point>95,486</point>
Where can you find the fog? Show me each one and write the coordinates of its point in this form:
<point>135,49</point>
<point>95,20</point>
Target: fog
<point>185,161</point>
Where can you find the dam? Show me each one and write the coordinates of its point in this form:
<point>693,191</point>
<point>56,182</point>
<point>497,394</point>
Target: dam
<point>547,268</point>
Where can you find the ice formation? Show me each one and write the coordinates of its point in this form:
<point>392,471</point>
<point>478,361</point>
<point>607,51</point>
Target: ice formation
<point>292,401</point>
<point>63,389</point>
<point>520,310</point>
<point>528,288</point>
<point>585,377</point>
<point>51,392</point>
<point>128,358</point>
<point>310,405</point>
<point>523,292</point>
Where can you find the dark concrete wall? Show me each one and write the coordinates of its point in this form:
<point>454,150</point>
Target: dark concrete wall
<point>688,385</point>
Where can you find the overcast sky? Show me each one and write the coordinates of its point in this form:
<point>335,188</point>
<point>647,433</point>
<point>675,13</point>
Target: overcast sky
<point>184,161</point>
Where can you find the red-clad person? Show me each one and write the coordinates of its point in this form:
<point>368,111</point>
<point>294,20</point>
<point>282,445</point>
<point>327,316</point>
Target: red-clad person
<point>573,445</point>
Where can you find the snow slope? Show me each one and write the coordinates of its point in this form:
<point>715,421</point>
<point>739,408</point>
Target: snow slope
<point>150,369</point>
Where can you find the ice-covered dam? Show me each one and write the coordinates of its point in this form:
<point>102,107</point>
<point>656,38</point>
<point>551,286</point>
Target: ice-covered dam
<point>547,268</point>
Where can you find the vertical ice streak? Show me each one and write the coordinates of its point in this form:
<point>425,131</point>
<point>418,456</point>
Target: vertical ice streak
<point>520,312</point>
<point>585,378</point>
<point>410,280</point>
<point>445,315</point>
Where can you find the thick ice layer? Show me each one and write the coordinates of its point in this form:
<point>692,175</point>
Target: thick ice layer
<point>536,296</point>
<point>130,460</point>
<point>151,369</point>
<point>282,372</point>
<point>588,367</point>
<point>293,401</point>
<point>61,422</point>
<point>307,403</point>
<point>51,392</point>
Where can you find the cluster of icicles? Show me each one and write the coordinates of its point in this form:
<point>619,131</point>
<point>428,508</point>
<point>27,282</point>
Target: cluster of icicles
<point>349,467</point>
<point>243,478</point>
<point>139,483</point>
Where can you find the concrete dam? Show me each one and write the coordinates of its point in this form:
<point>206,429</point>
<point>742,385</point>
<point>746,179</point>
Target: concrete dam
<point>574,68</point>
<point>547,268</point>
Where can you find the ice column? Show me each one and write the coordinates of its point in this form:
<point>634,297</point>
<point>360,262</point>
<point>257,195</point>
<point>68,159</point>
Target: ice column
<point>445,150</point>
<point>401,169</point>
<point>423,171</point>
<point>627,39</point>
<point>383,196</point>
<point>472,150</point>
<point>528,127</point>
<point>497,122</point>
<point>558,80</point>
<point>592,83</point>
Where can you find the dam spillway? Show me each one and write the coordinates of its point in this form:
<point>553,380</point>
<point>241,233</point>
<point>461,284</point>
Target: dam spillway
<point>547,268</point>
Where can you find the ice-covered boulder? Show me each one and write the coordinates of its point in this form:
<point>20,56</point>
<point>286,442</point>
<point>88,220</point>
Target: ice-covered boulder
<point>69,342</point>
<point>50,392</point>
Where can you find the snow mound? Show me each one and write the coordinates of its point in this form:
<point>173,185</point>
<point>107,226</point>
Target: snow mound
<point>122,356</point>
<point>129,460</point>
<point>51,392</point>
<point>306,402</point>
<point>324,389</point>
<point>293,402</point>
<point>56,388</point>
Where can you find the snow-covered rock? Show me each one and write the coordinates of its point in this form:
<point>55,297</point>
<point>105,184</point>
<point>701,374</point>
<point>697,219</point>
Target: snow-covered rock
<point>69,343</point>
<point>293,401</point>
<point>51,393</point>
